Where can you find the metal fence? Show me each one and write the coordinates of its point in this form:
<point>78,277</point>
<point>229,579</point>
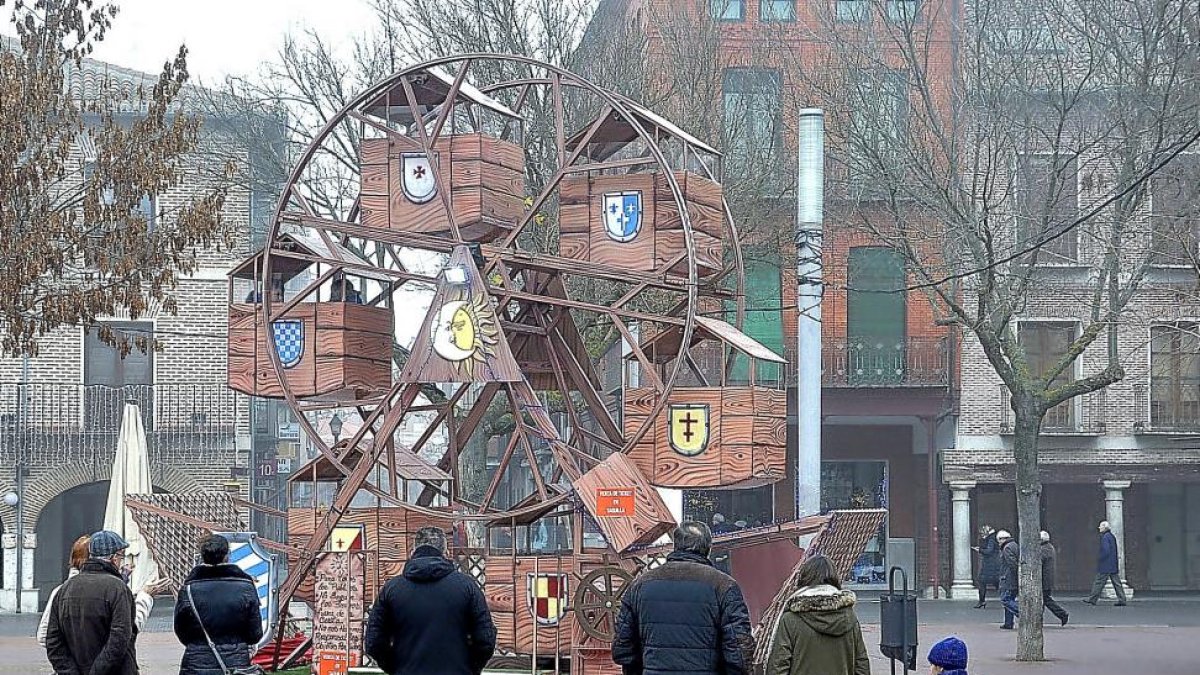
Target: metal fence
<point>868,362</point>
<point>1173,411</point>
<point>63,422</point>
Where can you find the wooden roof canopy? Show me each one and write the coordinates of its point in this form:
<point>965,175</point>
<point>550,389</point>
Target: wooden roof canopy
<point>615,132</point>
<point>664,346</point>
<point>430,88</point>
<point>300,242</point>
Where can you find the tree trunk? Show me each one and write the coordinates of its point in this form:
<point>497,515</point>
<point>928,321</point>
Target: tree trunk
<point>1028,422</point>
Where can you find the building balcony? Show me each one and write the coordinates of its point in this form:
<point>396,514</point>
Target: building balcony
<point>1165,415</point>
<point>869,363</point>
<point>1081,416</point>
<point>37,418</point>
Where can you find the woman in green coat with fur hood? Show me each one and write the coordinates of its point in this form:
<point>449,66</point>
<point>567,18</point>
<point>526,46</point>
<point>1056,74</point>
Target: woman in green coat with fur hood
<point>818,633</point>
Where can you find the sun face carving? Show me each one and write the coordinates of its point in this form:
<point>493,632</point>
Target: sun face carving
<point>465,331</point>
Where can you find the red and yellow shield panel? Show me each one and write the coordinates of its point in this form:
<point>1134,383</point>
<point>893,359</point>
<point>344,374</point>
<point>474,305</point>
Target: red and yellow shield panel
<point>547,595</point>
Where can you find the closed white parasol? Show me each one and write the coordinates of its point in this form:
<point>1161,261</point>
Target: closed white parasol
<point>131,476</point>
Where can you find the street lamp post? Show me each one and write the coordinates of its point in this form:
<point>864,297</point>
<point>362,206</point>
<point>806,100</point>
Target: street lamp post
<point>810,216</point>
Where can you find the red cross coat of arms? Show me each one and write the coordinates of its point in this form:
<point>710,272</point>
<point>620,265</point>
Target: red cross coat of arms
<point>547,595</point>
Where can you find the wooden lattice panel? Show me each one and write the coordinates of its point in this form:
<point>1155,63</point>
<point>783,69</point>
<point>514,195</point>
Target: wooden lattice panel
<point>175,544</point>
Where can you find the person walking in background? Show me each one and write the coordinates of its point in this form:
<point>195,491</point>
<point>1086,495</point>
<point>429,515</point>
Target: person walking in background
<point>217,616</point>
<point>989,563</point>
<point>1049,576</point>
<point>1107,567</point>
<point>432,618</point>
<point>91,619</point>
<point>684,616</point>
<point>948,657</point>
<point>1010,561</point>
<point>818,632</point>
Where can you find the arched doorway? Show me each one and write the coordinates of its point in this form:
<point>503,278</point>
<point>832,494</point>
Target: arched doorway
<point>66,517</point>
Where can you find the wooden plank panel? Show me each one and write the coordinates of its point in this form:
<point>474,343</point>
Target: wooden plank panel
<point>670,243</point>
<point>502,152</point>
<point>575,245</point>
<point>696,189</point>
<point>366,373</point>
<point>374,179</point>
<point>575,190</point>
<point>499,596</point>
<point>373,151</point>
<point>473,203</point>
<point>737,430</point>
<point>737,401</point>
<point>355,317</point>
<point>240,375</point>
<point>651,518</point>
<point>770,431</point>
<point>505,628</point>
<point>526,626</point>
<point>637,254</point>
<point>498,178</point>
<point>244,316</point>
<point>373,210</point>
<point>770,401</point>
<point>704,218</point>
<point>738,464</point>
<point>574,218</point>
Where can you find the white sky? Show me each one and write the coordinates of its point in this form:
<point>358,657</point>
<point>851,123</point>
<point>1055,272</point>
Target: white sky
<point>223,36</point>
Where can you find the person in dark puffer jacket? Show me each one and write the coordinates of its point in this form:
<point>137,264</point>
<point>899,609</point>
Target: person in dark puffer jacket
<point>433,619</point>
<point>684,617</point>
<point>227,602</point>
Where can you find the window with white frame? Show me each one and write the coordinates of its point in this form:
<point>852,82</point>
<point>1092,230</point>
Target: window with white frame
<point>1045,344</point>
<point>1175,376</point>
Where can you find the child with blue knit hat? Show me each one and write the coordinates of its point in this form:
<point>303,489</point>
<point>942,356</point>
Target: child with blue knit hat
<point>948,657</point>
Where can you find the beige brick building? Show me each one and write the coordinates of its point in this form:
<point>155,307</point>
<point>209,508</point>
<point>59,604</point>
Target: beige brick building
<point>60,411</point>
<point>1127,454</point>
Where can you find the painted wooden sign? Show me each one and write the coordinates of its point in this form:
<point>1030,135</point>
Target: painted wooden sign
<point>339,616</point>
<point>615,502</point>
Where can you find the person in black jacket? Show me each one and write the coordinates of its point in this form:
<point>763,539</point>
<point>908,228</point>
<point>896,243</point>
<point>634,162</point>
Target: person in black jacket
<point>227,603</point>
<point>1049,574</point>
<point>1108,567</point>
<point>684,616</point>
<point>91,627</point>
<point>989,563</point>
<point>1010,562</point>
<point>432,618</point>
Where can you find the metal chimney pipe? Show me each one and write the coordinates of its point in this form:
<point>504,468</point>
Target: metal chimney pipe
<point>810,217</point>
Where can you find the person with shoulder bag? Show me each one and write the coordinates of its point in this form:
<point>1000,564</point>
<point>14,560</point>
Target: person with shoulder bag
<point>217,616</point>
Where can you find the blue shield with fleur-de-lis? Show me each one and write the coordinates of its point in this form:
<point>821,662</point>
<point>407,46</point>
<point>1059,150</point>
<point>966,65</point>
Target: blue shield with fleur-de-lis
<point>289,341</point>
<point>623,215</point>
<point>249,555</point>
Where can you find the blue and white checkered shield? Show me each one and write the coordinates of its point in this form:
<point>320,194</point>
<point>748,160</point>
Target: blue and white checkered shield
<point>289,340</point>
<point>253,559</point>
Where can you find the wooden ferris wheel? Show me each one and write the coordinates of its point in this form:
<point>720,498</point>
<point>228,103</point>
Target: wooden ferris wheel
<point>521,245</point>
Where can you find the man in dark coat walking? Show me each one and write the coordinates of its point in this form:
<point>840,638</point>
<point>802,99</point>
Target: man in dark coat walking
<point>1010,561</point>
<point>91,628</point>
<point>684,616</point>
<point>1107,567</point>
<point>1049,572</point>
<point>989,563</point>
<point>227,601</point>
<point>431,619</point>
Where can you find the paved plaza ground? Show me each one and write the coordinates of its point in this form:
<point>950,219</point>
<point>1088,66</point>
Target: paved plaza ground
<point>1156,636</point>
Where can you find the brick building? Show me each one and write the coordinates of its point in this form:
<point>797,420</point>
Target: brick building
<point>887,366</point>
<point>60,411</point>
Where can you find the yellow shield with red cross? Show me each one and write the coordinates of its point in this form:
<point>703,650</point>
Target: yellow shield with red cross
<point>687,428</point>
<point>547,595</point>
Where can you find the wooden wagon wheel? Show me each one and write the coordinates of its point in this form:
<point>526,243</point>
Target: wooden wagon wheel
<point>598,599</point>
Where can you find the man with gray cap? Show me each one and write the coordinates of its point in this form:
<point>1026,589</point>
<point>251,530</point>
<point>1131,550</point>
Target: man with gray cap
<point>1049,574</point>
<point>91,629</point>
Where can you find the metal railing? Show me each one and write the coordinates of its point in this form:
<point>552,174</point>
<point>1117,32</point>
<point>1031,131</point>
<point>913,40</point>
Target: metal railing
<point>48,420</point>
<point>1162,414</point>
<point>1085,414</point>
<point>869,362</point>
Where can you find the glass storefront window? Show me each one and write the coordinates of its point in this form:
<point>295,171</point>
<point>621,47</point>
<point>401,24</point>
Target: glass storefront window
<point>860,485</point>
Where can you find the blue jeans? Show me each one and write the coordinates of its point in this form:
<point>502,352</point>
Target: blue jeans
<point>1009,600</point>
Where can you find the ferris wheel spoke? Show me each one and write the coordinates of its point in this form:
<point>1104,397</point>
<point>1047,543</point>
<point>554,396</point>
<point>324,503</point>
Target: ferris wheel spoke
<point>434,163</point>
<point>648,368</point>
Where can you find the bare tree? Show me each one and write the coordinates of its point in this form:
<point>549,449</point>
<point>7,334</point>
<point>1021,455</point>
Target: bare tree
<point>1021,182</point>
<point>78,164</point>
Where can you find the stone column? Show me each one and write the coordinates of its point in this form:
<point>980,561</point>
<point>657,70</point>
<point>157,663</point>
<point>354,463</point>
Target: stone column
<point>960,496</point>
<point>1114,509</point>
